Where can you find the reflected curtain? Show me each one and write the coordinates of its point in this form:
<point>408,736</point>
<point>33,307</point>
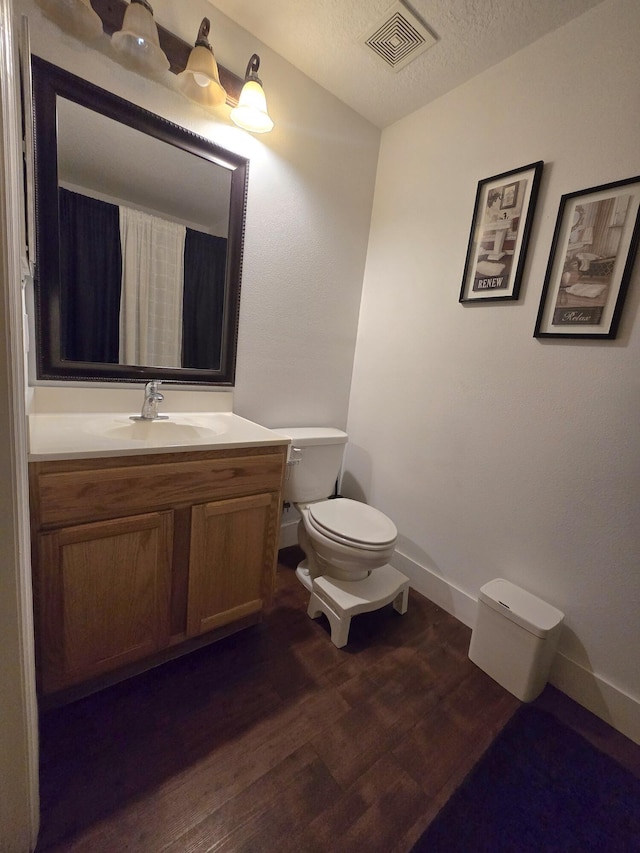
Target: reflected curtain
<point>205,264</point>
<point>152,285</point>
<point>90,262</point>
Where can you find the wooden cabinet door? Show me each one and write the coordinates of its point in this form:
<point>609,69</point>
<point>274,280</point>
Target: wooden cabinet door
<point>232,561</point>
<point>102,596</point>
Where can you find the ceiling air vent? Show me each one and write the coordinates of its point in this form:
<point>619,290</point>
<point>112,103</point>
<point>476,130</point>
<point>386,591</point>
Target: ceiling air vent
<point>398,38</point>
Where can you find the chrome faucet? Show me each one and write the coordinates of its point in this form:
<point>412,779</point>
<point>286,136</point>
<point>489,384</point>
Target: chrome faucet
<point>152,398</point>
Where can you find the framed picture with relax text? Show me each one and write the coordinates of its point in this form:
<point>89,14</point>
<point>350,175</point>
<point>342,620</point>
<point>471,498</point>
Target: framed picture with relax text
<point>595,243</point>
<point>500,230</point>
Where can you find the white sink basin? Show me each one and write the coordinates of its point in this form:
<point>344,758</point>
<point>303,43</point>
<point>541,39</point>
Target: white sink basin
<point>177,430</point>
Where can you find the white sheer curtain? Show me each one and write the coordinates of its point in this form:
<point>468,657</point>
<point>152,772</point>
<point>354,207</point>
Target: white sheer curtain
<point>152,286</point>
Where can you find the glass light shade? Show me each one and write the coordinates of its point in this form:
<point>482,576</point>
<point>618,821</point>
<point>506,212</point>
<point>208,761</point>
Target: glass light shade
<point>76,17</point>
<point>200,80</point>
<point>137,43</point>
<point>251,112</point>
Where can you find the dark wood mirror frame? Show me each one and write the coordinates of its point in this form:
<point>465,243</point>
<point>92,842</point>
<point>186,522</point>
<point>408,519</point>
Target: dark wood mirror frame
<point>49,82</point>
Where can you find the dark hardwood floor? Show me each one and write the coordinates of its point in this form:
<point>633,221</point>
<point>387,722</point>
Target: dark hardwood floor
<point>274,740</point>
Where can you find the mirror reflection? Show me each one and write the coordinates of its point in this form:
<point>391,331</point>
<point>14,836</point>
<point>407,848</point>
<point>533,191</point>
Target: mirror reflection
<point>139,226</point>
<point>143,246</point>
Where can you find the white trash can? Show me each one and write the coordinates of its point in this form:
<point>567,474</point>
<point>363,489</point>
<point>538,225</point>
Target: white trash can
<point>515,638</point>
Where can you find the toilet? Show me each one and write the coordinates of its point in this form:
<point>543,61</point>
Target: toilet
<point>347,544</point>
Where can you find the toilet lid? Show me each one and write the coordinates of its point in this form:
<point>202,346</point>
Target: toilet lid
<point>353,523</point>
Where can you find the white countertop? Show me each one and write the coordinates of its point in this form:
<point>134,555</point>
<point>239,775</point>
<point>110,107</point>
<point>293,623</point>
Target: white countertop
<point>80,436</point>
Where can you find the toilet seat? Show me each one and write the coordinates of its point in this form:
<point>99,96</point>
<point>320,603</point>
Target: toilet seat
<point>352,523</point>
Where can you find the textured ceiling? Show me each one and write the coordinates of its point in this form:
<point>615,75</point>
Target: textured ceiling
<point>322,39</point>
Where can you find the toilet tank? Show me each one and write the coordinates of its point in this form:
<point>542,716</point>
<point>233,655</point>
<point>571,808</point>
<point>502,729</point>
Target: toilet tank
<point>315,459</point>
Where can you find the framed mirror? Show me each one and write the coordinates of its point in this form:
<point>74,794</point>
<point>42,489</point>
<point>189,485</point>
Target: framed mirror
<point>139,237</point>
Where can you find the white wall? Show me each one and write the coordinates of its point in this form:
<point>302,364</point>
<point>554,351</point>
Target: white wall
<point>310,193</point>
<point>497,454</point>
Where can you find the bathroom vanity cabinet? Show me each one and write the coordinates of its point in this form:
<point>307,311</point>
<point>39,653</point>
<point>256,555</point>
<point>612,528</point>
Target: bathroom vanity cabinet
<point>139,558</point>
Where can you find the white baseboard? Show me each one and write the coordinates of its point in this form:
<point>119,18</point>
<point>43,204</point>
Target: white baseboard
<point>288,534</point>
<point>443,593</point>
<point>598,695</point>
<point>592,691</point>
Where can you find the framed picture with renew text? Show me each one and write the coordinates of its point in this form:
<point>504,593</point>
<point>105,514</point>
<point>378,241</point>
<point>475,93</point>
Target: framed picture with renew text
<point>500,230</point>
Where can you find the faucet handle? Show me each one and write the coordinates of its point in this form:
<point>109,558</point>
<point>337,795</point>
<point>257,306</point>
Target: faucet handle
<point>151,388</point>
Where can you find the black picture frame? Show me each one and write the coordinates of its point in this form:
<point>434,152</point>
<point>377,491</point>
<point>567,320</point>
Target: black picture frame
<point>595,243</point>
<point>500,231</point>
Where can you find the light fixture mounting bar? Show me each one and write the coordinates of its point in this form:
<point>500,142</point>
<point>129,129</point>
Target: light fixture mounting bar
<point>111,14</point>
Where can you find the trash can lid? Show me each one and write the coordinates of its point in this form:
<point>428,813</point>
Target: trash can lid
<point>527,610</point>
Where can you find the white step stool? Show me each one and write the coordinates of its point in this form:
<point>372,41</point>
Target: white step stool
<point>340,600</point>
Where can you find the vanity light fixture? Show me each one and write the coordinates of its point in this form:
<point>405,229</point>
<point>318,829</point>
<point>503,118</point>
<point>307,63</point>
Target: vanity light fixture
<point>200,80</point>
<point>137,43</point>
<point>251,113</point>
<point>76,17</point>
<point>142,46</point>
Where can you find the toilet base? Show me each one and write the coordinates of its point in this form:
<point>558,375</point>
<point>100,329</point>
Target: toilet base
<point>303,575</point>
<point>340,600</point>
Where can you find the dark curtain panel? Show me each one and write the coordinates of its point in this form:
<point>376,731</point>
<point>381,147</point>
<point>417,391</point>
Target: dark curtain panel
<point>205,261</point>
<point>90,274</point>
